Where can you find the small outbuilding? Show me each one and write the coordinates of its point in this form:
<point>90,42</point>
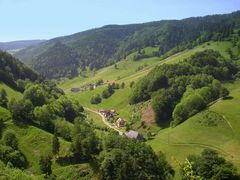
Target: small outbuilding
<point>75,90</point>
<point>134,135</point>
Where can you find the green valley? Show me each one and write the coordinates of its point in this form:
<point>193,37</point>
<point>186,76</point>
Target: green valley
<point>149,101</point>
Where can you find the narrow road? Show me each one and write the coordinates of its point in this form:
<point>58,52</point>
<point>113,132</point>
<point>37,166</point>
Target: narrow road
<point>104,120</point>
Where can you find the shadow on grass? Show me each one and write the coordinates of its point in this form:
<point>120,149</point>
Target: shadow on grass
<point>69,160</point>
<point>228,98</point>
<point>64,161</point>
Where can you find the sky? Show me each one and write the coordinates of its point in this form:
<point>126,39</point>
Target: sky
<point>45,19</point>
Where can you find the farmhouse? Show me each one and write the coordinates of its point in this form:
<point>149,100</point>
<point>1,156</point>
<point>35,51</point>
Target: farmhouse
<point>75,90</point>
<point>120,122</point>
<point>134,135</point>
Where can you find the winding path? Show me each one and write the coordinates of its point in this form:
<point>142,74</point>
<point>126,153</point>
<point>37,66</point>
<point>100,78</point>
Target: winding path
<point>104,120</point>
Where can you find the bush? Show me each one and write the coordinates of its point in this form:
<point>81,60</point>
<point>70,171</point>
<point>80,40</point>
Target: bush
<point>63,128</point>
<point>10,139</point>
<point>22,110</point>
<point>2,125</point>
<point>36,94</point>
<point>110,90</point>
<point>3,98</point>
<point>46,164</point>
<point>96,99</point>
<point>15,157</point>
<point>45,117</point>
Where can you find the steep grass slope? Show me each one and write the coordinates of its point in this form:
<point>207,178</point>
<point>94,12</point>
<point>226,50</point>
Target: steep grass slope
<point>217,128</point>
<point>34,142</point>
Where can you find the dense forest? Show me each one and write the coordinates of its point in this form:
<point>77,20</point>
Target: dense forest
<point>103,46</point>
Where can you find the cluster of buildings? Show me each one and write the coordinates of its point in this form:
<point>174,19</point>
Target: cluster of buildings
<point>111,114</point>
<point>121,123</point>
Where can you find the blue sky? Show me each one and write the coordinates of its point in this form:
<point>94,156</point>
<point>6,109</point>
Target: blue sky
<point>45,19</point>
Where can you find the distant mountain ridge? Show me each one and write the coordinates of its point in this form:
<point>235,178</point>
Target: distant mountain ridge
<point>103,46</point>
<point>6,46</point>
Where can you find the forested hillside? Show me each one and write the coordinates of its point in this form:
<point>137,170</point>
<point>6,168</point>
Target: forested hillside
<point>13,72</point>
<point>103,46</point>
<point>58,61</point>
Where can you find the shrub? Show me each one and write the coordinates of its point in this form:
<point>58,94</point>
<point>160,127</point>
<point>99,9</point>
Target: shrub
<point>22,110</point>
<point>10,139</point>
<point>96,99</point>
